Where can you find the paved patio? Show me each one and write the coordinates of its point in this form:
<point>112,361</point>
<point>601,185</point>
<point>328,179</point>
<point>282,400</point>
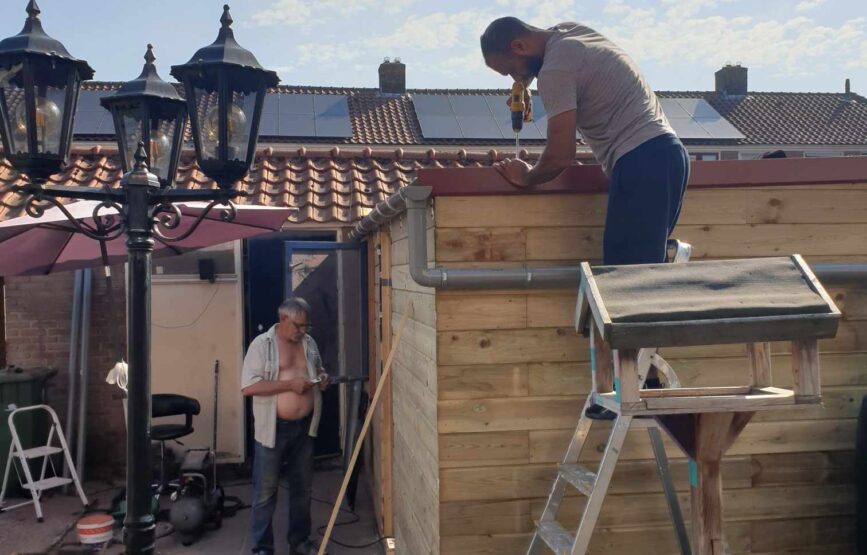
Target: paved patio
<point>21,534</point>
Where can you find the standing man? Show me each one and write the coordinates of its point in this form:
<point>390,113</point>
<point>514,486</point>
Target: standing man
<point>588,83</point>
<point>283,374</point>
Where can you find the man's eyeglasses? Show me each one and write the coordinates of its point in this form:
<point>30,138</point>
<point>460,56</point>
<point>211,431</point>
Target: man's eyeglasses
<point>302,327</point>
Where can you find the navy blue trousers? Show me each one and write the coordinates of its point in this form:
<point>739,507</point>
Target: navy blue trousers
<point>645,195</point>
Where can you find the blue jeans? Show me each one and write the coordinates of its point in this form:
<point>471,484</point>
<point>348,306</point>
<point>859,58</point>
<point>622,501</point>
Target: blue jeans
<point>644,199</point>
<point>293,443</point>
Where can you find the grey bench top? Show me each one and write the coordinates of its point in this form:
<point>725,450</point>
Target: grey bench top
<point>708,302</point>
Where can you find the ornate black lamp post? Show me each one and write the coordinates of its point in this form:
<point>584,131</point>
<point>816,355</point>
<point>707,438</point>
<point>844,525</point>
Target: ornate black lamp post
<point>225,88</point>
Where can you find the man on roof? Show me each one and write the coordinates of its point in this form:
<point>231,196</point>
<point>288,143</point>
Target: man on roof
<point>588,83</point>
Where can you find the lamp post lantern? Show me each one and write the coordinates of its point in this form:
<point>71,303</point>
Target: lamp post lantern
<point>225,88</point>
<point>149,110</point>
<point>39,84</point>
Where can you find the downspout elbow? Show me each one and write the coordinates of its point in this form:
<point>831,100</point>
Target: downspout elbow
<point>416,198</point>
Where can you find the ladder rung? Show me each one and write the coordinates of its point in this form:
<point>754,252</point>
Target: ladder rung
<point>556,537</point>
<point>48,483</point>
<point>580,477</point>
<point>37,452</point>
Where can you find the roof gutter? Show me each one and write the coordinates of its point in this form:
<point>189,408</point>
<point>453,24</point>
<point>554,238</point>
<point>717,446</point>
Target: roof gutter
<point>414,200</point>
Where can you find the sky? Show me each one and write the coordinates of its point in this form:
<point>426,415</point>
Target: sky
<point>788,45</point>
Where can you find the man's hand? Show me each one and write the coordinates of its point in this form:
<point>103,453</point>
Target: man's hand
<point>299,385</point>
<point>325,381</point>
<point>514,171</point>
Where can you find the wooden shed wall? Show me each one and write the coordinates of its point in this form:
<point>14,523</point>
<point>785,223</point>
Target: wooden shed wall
<point>512,375</point>
<point>414,398</point>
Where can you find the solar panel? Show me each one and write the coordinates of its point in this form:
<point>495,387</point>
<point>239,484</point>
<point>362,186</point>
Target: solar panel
<point>436,117</point>
<point>331,113</point>
<point>474,117</point>
<point>305,115</point>
<point>270,115</point>
<point>695,118</point>
<point>720,128</point>
<point>90,117</point>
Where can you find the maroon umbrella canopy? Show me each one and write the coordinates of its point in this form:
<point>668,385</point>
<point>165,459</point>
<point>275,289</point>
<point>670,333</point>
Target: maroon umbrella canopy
<point>51,243</point>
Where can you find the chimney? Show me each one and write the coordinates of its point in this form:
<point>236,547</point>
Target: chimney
<point>392,77</point>
<point>848,88</point>
<point>731,80</point>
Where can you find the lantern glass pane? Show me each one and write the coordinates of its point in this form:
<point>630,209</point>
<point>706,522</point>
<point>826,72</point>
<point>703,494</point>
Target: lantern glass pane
<point>49,88</point>
<point>160,146</point>
<point>240,123</point>
<point>209,125</point>
<point>12,100</point>
<point>131,135</point>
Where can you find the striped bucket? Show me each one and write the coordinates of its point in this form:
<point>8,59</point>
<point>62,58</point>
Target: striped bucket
<point>95,529</point>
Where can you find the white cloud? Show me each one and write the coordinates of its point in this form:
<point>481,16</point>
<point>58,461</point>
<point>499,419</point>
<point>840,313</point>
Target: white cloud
<point>809,5</point>
<point>796,46</point>
<point>541,13</point>
<point>435,31</point>
<point>309,13</point>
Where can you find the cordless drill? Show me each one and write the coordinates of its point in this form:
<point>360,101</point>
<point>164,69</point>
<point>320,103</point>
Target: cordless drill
<point>522,110</point>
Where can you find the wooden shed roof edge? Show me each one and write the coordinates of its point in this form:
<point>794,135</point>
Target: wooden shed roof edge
<point>587,179</point>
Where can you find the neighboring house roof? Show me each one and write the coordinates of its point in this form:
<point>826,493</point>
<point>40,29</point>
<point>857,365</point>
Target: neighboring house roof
<point>336,186</point>
<point>790,119</point>
<point>764,118</point>
<point>337,182</point>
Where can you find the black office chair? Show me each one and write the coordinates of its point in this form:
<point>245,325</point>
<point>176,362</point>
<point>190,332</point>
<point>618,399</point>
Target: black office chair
<point>168,404</point>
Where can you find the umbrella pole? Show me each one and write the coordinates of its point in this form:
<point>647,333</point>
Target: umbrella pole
<point>115,338</point>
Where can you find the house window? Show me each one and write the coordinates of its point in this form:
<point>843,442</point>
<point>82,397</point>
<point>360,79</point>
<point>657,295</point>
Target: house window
<point>220,258</point>
<point>749,155</point>
<point>704,156</point>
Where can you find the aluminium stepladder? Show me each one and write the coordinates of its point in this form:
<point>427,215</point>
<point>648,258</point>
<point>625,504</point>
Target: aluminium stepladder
<point>17,454</point>
<point>595,485</point>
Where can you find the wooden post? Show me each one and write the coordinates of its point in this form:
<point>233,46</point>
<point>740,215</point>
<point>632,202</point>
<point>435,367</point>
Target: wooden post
<point>386,414</point>
<point>805,370</point>
<point>603,367</point>
<point>626,375</point>
<point>713,435</point>
<point>760,364</point>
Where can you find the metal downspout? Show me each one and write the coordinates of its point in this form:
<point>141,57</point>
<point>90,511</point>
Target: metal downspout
<point>555,277</point>
<point>74,330</point>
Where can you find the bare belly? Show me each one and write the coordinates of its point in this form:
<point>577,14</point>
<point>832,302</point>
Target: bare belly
<point>290,405</point>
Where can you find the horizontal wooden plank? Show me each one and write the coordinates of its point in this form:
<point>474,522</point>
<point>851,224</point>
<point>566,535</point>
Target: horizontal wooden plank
<point>708,241</point>
<point>510,346</point>
<point>525,413</point>
<point>528,211</point>
<point>483,381</point>
<point>484,449</point>
<point>781,206</point>
<point>534,481</point>
<point>481,244</point>
<point>757,437</point>
<point>551,311</point>
<point>423,306</point>
<point>468,313</point>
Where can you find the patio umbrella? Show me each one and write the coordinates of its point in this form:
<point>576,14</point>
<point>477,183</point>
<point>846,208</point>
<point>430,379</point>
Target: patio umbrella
<point>51,243</point>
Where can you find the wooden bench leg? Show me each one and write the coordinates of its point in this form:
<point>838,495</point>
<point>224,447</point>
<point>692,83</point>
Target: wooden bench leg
<point>602,364</point>
<point>760,364</point>
<point>805,370</point>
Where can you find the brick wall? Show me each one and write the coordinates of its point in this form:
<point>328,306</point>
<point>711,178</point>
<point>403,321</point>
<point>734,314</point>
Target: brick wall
<point>38,314</point>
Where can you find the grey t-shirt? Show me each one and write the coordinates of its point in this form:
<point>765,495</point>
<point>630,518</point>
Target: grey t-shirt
<point>617,109</point>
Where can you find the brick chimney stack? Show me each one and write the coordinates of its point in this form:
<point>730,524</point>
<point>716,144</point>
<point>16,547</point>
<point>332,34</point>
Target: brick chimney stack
<point>392,77</point>
<point>731,80</point>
